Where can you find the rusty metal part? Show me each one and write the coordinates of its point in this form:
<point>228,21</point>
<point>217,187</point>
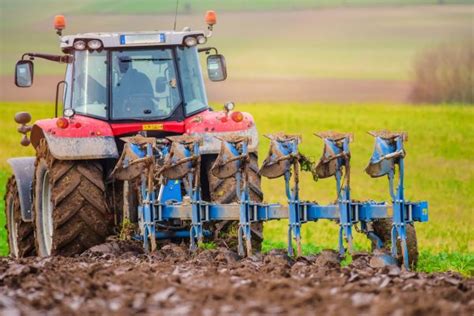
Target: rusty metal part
<point>185,139</point>
<point>227,163</point>
<point>277,163</point>
<point>327,165</point>
<point>235,139</point>
<point>177,164</point>
<point>389,135</point>
<point>130,166</point>
<point>386,161</point>
<point>139,140</point>
<point>25,141</point>
<point>23,118</point>
<point>282,137</point>
<point>24,129</point>
<point>211,142</point>
<point>336,136</point>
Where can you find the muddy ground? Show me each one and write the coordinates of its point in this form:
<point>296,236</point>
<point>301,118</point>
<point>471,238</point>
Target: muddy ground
<point>117,278</point>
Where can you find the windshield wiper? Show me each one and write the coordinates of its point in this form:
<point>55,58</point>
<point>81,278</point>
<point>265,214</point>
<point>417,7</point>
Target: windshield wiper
<point>129,60</point>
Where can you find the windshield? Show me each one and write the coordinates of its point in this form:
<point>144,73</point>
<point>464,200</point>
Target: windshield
<point>144,84</point>
<point>193,86</point>
<point>89,83</point>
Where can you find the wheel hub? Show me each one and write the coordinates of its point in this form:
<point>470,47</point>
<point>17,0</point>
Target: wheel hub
<point>46,215</point>
<point>13,229</point>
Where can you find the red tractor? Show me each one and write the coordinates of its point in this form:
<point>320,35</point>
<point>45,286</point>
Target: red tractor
<point>116,85</point>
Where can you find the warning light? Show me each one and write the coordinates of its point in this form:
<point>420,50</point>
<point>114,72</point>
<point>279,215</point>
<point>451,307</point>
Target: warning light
<point>237,116</point>
<point>211,17</point>
<point>59,22</point>
<point>62,123</point>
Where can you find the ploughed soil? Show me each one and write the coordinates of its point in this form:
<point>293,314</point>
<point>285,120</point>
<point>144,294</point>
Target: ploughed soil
<point>251,90</point>
<point>117,278</point>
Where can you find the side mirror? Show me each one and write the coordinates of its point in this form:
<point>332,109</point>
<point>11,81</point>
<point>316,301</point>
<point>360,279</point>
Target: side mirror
<point>216,68</point>
<point>24,73</point>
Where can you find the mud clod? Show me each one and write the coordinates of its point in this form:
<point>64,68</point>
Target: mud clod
<point>115,248</point>
<point>328,259</point>
<point>118,278</point>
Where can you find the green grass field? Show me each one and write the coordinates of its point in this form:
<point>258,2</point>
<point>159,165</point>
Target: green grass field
<point>439,168</point>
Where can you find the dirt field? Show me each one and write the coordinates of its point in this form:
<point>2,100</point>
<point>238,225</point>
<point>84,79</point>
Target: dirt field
<point>248,90</point>
<point>116,278</point>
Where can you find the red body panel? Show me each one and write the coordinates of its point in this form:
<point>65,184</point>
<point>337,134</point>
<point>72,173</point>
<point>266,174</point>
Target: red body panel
<point>79,126</point>
<point>210,121</point>
<point>204,122</point>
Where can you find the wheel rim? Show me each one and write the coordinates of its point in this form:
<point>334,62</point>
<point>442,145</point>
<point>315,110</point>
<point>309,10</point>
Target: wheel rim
<point>13,231</point>
<point>46,214</point>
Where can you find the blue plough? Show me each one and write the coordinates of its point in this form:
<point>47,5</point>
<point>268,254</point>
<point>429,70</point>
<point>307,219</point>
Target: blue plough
<point>170,190</point>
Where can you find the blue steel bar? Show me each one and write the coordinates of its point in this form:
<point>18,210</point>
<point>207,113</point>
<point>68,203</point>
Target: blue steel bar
<point>419,211</point>
<point>264,212</point>
<point>221,212</point>
<point>315,212</point>
<point>369,211</point>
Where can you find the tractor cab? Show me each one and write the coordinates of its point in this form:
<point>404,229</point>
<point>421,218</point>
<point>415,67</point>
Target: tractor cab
<point>132,76</point>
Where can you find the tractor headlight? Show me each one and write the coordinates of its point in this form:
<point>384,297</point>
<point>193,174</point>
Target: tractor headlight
<point>69,113</point>
<point>190,41</point>
<point>201,39</point>
<point>80,45</point>
<point>94,44</point>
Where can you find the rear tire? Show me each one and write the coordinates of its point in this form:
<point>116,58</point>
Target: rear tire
<point>70,210</point>
<point>21,239</point>
<point>223,191</point>
<point>383,229</point>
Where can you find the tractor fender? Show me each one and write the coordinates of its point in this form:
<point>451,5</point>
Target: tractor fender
<point>24,170</point>
<point>212,125</point>
<point>84,138</point>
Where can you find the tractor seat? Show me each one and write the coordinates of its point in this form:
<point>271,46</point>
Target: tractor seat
<point>135,82</point>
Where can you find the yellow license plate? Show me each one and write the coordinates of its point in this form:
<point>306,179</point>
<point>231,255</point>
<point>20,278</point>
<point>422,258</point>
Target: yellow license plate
<point>152,127</point>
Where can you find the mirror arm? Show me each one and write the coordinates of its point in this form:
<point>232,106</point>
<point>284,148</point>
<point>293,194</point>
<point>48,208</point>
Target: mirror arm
<point>207,50</point>
<point>56,58</point>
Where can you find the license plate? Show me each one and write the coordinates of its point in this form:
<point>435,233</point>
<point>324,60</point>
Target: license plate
<point>152,127</point>
<point>142,38</point>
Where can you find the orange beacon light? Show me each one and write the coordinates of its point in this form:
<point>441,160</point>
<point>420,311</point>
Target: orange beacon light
<point>211,18</point>
<point>59,23</point>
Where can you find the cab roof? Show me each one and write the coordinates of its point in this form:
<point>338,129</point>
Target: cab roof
<point>130,39</point>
